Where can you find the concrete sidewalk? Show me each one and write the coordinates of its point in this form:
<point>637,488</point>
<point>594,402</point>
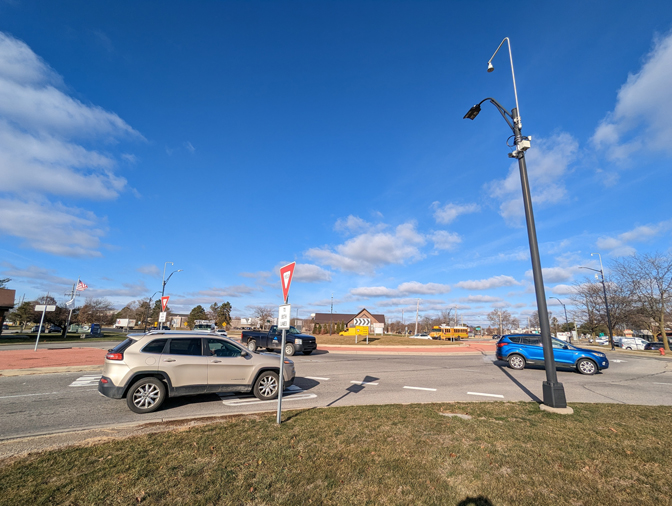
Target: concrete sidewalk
<point>53,360</point>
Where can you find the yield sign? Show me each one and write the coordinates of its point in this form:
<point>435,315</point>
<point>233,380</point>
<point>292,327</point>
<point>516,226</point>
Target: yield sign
<point>286,274</point>
<point>164,302</point>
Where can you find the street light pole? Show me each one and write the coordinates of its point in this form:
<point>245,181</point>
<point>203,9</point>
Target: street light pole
<point>606,302</point>
<point>553,391</point>
<point>566,320</point>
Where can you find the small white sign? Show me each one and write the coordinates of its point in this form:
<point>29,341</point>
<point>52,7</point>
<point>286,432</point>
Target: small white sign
<point>284,316</point>
<point>41,307</point>
<point>162,317</point>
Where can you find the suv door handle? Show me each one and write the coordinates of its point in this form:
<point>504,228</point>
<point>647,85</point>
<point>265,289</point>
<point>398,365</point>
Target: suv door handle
<point>169,360</point>
<point>216,361</point>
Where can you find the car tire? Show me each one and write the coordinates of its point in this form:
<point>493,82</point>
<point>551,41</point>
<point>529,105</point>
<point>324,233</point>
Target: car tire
<point>586,366</point>
<point>628,348</point>
<point>516,362</point>
<point>307,352</point>
<point>289,349</point>
<point>267,385</point>
<point>252,345</point>
<point>146,395</point>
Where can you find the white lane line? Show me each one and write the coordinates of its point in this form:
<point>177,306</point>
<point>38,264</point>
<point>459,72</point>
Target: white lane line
<point>485,395</point>
<point>316,378</point>
<point>619,361</point>
<point>25,395</point>
<point>86,381</point>
<point>245,402</point>
<point>420,388</point>
<point>363,383</point>
<point>661,383</point>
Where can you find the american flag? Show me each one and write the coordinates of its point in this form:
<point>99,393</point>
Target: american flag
<point>81,286</point>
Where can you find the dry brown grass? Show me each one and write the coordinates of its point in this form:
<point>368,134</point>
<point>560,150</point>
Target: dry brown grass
<point>507,454</point>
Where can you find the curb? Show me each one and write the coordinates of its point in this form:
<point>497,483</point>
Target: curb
<point>50,370</point>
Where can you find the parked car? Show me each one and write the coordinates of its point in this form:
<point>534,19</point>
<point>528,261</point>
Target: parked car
<point>36,329</point>
<point>653,346</point>
<point>148,368</point>
<point>421,336</point>
<point>633,343</point>
<point>5,326</point>
<point>54,328</point>
<point>522,349</point>
<point>495,336</point>
<point>222,332</point>
<point>295,341</point>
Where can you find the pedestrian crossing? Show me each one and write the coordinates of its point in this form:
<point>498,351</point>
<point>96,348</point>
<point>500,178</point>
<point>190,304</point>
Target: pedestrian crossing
<point>90,380</point>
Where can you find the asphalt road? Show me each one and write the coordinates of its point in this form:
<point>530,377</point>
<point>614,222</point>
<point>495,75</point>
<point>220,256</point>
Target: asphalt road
<point>45,404</point>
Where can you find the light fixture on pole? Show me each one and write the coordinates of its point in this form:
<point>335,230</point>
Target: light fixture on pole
<point>566,320</point>
<point>553,391</point>
<point>606,302</point>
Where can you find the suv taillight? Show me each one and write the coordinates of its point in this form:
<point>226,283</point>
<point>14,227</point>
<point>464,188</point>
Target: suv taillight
<point>114,356</point>
<point>499,345</point>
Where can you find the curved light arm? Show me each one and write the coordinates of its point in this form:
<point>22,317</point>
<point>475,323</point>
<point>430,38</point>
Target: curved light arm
<point>600,257</point>
<point>166,281</point>
<point>513,75</point>
<point>558,301</point>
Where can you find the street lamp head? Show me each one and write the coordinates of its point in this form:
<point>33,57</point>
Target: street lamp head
<point>179,270</point>
<point>473,112</point>
<point>490,67</point>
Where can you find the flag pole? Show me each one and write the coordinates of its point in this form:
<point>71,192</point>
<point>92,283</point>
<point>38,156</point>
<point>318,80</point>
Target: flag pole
<point>72,298</point>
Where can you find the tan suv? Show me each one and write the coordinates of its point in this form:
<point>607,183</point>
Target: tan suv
<point>147,368</point>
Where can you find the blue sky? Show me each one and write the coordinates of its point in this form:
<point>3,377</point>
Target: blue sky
<point>233,137</point>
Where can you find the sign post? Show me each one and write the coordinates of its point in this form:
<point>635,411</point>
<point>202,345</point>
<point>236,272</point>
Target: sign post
<point>44,308</point>
<point>286,274</point>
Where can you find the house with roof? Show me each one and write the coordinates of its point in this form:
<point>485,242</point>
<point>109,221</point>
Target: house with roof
<point>377,320</point>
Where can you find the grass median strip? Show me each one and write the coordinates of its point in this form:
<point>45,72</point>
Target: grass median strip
<point>506,453</point>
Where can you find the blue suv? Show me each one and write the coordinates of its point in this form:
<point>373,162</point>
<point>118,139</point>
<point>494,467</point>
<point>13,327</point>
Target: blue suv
<point>521,349</point>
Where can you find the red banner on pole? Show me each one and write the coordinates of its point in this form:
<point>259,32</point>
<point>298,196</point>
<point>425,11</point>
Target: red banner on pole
<point>164,302</point>
<point>286,274</point>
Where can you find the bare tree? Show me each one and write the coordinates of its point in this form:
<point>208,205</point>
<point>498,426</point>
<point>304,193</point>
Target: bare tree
<point>96,311</point>
<point>263,314</point>
<point>502,320</point>
<point>649,280</point>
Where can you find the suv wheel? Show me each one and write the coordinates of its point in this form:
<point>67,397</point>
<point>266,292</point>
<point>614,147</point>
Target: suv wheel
<point>289,349</point>
<point>266,386</point>
<point>586,366</point>
<point>516,362</point>
<point>146,395</point>
<point>252,345</point>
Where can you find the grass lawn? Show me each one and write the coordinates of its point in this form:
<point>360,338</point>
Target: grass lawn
<point>507,454</point>
<point>29,338</point>
<point>386,340</point>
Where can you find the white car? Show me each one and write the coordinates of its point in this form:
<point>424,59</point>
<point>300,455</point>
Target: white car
<point>222,332</point>
<point>633,343</point>
<point>420,336</point>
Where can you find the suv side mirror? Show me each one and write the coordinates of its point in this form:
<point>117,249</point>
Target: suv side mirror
<point>244,353</point>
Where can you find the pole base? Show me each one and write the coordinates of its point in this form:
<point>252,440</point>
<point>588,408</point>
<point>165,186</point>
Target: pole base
<point>554,395</point>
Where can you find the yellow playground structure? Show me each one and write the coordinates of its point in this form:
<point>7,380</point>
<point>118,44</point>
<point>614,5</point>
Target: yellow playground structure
<point>449,333</point>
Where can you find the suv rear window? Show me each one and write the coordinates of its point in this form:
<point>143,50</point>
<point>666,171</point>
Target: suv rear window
<point>185,346</point>
<point>515,339</point>
<point>155,346</point>
<point>532,341</point>
<point>121,347</point>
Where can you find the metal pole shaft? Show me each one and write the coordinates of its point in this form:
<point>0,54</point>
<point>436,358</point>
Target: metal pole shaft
<point>606,305</point>
<point>39,330</point>
<point>554,394</point>
<point>282,378</point>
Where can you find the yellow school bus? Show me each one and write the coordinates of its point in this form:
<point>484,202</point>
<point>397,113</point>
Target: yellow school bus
<point>444,332</point>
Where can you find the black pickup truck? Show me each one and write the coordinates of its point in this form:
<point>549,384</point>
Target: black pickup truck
<point>295,341</point>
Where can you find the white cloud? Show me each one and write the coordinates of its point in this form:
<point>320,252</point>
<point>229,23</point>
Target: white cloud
<point>309,273</point>
<point>487,284</point>
<point>227,291</point>
<point>410,301</point>
<point>621,244</point>
<point>480,298</point>
<point>133,290</point>
<point>191,149</point>
<point>563,289</point>
<point>356,225</point>
<point>367,251</point>
<point>641,118</point>
<point>33,272</point>
<point>409,288</point>
<point>444,240</point>
<point>450,212</point>
<point>547,163</point>
<point>150,270</point>
<point>556,274</point>
<point>52,228</point>
<point>41,154</point>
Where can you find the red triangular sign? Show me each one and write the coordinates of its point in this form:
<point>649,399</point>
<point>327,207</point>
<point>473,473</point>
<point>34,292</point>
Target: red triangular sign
<point>286,274</point>
<point>164,302</point>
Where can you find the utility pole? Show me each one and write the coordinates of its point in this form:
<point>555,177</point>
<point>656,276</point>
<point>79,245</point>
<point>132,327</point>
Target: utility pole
<point>331,317</point>
<point>73,294</point>
<point>500,322</point>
